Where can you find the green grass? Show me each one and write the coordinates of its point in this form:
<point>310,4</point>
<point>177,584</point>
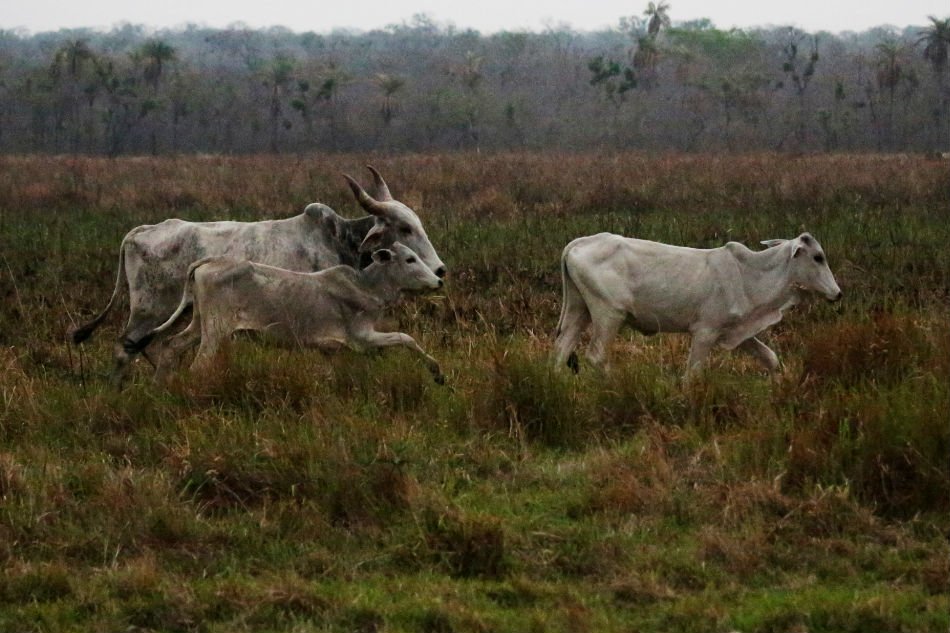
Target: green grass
<point>287,490</point>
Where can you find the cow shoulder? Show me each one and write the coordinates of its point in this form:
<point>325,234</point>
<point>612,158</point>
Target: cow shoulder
<point>726,288</point>
<point>344,285</point>
<point>739,252</point>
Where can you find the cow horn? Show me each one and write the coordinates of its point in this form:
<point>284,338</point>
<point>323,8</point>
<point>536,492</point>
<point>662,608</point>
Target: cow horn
<point>366,201</point>
<point>382,191</point>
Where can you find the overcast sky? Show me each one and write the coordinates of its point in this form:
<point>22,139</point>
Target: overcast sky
<point>484,15</point>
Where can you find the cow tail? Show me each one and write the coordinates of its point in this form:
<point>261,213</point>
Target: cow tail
<point>187,298</point>
<point>569,294</point>
<point>81,333</point>
<point>565,280</point>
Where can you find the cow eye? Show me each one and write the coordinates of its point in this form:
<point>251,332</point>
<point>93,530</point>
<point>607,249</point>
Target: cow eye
<point>411,260</point>
<point>819,259</point>
<point>405,230</point>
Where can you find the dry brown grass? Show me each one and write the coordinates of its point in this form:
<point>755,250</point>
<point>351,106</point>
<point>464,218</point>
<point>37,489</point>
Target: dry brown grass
<point>284,488</point>
<point>494,186</point>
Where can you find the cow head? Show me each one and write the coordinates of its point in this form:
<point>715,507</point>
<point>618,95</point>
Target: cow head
<point>809,266</point>
<point>394,222</point>
<point>405,269</point>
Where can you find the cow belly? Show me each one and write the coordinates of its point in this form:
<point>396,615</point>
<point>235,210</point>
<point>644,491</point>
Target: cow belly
<point>653,310</point>
<point>293,329</point>
<point>649,323</point>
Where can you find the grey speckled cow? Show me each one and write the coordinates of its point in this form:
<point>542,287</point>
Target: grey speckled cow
<point>329,309</point>
<point>154,259</point>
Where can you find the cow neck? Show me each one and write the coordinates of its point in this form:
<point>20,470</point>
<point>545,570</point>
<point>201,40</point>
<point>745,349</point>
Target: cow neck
<point>351,236</point>
<point>374,280</point>
<point>766,277</point>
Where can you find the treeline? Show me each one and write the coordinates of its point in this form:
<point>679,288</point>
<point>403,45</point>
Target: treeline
<point>648,84</point>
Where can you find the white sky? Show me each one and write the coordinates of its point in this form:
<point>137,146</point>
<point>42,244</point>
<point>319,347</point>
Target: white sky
<point>484,15</point>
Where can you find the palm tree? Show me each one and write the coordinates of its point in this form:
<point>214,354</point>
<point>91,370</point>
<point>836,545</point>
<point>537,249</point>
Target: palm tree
<point>647,56</point>
<point>333,80</point>
<point>936,40</point>
<point>890,71</point>
<point>278,75</point>
<point>71,57</point>
<point>389,85</point>
<point>659,17</point>
<point>156,54</point>
<point>68,71</point>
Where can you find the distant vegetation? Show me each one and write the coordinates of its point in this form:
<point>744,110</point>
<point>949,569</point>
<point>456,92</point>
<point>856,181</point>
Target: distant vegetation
<point>651,83</point>
<point>290,491</point>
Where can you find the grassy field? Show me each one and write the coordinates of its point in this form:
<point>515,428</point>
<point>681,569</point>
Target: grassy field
<point>292,491</point>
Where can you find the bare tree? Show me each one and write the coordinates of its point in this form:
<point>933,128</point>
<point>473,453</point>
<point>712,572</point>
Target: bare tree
<point>800,72</point>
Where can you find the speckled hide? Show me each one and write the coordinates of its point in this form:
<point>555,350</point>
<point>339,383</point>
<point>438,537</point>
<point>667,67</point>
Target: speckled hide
<point>154,259</point>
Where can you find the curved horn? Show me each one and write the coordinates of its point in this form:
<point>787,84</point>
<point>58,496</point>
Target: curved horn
<point>382,191</point>
<point>366,201</point>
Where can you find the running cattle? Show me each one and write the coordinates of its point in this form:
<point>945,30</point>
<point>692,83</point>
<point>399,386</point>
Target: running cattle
<point>153,259</point>
<point>723,296</point>
<point>329,309</point>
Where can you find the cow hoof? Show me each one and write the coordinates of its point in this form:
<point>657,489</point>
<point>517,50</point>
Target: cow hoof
<point>573,363</point>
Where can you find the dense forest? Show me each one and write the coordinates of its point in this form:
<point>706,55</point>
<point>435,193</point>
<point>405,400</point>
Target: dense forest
<point>650,83</point>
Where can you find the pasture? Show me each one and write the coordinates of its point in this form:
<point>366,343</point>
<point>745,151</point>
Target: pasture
<point>287,490</point>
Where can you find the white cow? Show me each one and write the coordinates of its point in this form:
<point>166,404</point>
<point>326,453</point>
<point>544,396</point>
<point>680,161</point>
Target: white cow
<point>329,309</point>
<point>723,296</point>
<point>154,258</point>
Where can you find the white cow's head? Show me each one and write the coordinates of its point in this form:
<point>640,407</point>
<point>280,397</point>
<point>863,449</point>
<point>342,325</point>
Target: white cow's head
<point>394,222</point>
<point>404,268</point>
<point>809,266</point>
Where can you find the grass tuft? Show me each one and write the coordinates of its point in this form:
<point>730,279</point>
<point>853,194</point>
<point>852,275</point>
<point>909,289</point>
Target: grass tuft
<point>467,546</point>
<point>885,348</point>
<point>535,402</point>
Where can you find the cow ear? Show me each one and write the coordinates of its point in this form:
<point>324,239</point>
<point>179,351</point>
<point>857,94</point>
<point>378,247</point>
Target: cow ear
<point>771,243</point>
<point>373,239</point>
<point>798,251</point>
<point>382,255</point>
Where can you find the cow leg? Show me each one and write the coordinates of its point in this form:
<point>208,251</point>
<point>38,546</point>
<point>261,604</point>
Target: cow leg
<point>761,352</point>
<point>604,329</point>
<point>206,351</point>
<point>373,338</point>
<point>175,348</point>
<point>576,319</point>
<point>699,349</point>
<point>121,360</point>
<point>122,357</point>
